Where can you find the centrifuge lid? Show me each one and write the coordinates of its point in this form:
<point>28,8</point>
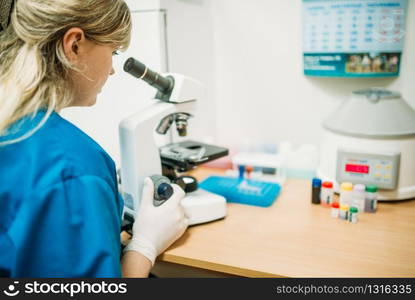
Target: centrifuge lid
<point>373,113</point>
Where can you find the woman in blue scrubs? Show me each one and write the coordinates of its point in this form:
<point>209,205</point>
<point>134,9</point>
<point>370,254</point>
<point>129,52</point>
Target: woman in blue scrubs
<point>60,210</point>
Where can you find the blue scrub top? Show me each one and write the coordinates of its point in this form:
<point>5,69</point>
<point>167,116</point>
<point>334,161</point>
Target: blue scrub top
<point>60,210</point>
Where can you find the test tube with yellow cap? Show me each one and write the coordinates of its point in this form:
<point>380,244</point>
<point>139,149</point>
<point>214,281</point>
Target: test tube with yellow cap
<point>344,212</point>
<point>346,190</point>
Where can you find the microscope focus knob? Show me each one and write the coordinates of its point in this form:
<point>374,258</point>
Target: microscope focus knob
<point>162,189</point>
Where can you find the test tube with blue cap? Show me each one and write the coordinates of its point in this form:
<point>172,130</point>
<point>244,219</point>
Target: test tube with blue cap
<point>241,169</point>
<point>316,189</point>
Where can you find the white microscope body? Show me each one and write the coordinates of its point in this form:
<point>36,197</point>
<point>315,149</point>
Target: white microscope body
<point>140,155</point>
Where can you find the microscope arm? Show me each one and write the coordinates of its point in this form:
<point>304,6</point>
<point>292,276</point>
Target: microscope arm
<point>140,156</point>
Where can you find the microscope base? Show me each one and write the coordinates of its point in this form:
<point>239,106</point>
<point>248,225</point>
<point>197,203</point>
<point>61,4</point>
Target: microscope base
<point>202,206</point>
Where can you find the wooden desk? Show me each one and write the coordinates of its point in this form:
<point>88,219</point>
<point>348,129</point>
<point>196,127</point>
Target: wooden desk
<point>294,238</point>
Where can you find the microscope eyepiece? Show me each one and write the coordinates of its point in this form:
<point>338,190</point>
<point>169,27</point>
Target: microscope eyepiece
<point>163,84</point>
<point>135,68</point>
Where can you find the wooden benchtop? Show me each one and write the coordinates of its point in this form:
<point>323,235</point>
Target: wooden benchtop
<point>294,238</point>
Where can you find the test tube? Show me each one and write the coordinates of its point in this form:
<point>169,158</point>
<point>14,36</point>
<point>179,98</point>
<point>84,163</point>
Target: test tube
<point>249,170</point>
<point>344,210</point>
<point>371,198</point>
<point>346,189</point>
<point>315,192</point>
<point>241,171</point>
<point>358,197</point>
<point>335,209</point>
<point>353,213</point>
<point>326,197</point>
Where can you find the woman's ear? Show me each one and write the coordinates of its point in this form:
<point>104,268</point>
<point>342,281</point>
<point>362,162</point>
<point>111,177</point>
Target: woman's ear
<point>73,40</point>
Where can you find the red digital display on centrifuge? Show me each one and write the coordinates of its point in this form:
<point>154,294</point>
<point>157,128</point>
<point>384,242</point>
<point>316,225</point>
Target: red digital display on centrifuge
<point>357,168</point>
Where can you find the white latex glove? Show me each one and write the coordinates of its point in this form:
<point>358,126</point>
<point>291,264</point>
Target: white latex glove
<point>156,228</point>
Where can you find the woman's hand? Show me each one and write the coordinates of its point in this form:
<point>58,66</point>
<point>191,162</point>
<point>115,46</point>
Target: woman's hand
<point>156,228</point>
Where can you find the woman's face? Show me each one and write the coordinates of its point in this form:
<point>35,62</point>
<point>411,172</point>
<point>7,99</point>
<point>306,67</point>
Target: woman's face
<point>94,67</point>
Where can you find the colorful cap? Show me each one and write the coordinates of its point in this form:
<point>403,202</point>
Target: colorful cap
<point>371,188</point>
<point>346,186</point>
<point>354,209</point>
<point>316,182</point>
<point>335,205</point>
<point>344,207</point>
<point>327,184</point>
<point>359,188</point>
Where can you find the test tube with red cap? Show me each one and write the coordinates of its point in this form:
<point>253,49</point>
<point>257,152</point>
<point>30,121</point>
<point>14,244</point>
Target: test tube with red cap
<point>335,209</point>
<point>248,170</point>
<point>326,195</point>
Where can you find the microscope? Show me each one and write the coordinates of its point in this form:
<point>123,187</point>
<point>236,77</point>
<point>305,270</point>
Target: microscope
<point>143,155</point>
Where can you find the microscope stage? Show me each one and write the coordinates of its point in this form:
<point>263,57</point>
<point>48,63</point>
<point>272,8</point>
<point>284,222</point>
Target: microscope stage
<point>188,154</point>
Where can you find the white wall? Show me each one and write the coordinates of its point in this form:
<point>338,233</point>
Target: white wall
<point>248,53</point>
<point>259,86</point>
<point>190,52</point>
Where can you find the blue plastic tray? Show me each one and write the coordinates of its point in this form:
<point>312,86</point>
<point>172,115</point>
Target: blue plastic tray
<point>245,191</point>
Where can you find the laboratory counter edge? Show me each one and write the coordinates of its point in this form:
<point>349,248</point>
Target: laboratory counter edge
<point>295,238</point>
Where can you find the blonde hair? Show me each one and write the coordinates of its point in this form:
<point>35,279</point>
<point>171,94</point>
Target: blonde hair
<point>34,71</point>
